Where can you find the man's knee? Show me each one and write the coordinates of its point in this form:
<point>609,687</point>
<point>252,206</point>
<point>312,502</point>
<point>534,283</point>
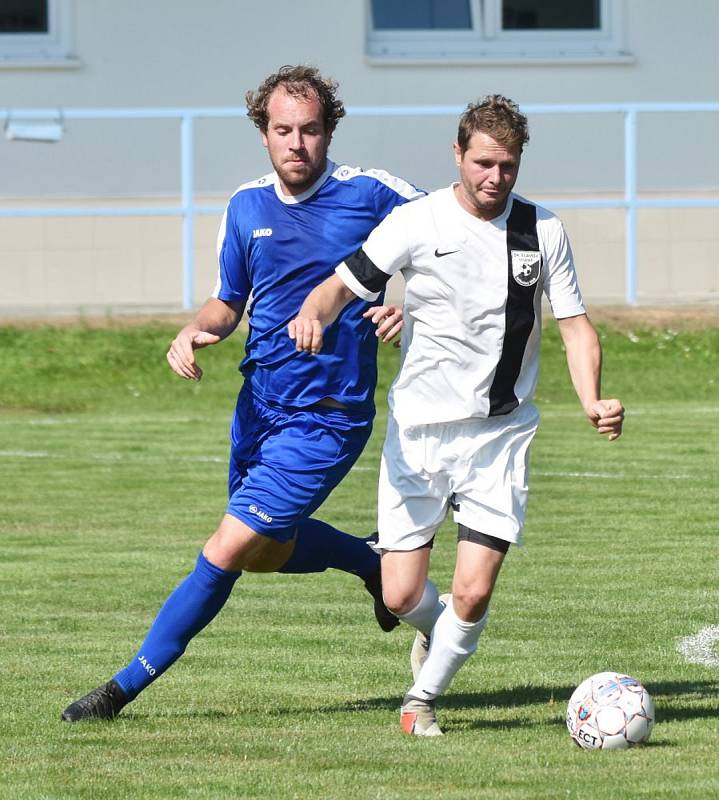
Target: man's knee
<point>401,600</point>
<point>402,592</point>
<point>404,575</point>
<point>234,546</point>
<point>470,601</point>
<point>271,558</point>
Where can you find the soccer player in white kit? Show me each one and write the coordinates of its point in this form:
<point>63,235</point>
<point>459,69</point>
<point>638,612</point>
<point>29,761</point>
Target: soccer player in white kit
<point>476,258</point>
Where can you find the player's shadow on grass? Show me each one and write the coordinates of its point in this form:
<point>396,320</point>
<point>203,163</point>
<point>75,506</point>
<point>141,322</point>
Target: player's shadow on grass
<point>675,701</point>
<point>515,697</point>
<point>681,700</point>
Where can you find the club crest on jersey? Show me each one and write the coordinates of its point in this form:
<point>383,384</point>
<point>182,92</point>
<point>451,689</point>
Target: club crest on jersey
<point>526,266</point>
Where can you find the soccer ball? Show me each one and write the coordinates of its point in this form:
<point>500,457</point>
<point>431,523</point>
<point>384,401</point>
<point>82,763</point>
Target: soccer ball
<point>609,711</point>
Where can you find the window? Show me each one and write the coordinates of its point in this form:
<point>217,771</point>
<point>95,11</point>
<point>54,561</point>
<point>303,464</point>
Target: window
<point>36,33</point>
<point>403,31</point>
<point>421,14</point>
<point>525,15</point>
<point>23,17</point>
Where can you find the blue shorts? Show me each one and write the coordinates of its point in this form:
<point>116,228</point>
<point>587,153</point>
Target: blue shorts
<point>284,462</point>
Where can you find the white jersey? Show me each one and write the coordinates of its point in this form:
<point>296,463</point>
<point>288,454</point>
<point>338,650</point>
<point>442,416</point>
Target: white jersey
<point>472,309</point>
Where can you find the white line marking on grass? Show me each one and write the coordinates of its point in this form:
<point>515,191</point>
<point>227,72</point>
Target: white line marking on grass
<point>127,458</point>
<point>699,649</point>
<point>54,421</point>
<point>109,456</point>
<point>568,474</point>
<point>610,475</point>
<point>661,409</point>
<point>26,454</point>
<point>547,411</point>
<point>150,419</point>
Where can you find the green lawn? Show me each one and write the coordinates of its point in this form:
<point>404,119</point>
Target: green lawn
<point>112,475</point>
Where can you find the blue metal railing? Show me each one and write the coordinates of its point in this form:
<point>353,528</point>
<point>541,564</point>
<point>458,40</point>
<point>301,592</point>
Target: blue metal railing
<point>631,202</point>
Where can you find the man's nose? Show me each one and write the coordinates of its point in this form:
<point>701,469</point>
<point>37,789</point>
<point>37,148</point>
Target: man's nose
<point>296,140</point>
<point>495,174</point>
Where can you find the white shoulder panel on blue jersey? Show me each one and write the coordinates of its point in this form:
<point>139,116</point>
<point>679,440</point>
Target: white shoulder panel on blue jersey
<point>221,234</point>
<point>344,173</point>
<point>265,180</point>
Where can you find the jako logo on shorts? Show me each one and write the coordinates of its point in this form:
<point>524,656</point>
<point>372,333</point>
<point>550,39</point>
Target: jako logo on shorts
<point>259,513</point>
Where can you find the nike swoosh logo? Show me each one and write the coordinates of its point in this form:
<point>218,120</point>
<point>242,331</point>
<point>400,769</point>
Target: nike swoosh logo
<point>446,253</point>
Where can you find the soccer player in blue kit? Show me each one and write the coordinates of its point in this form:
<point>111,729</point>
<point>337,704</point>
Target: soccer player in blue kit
<point>301,421</point>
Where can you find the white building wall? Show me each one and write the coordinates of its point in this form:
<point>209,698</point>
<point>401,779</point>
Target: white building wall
<point>187,53</point>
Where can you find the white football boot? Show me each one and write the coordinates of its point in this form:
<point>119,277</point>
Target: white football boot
<point>418,717</point>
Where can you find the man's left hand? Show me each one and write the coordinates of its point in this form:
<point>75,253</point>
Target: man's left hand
<point>607,416</point>
<point>388,320</point>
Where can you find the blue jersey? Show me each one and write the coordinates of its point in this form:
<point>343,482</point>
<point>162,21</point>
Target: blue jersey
<point>278,248</point>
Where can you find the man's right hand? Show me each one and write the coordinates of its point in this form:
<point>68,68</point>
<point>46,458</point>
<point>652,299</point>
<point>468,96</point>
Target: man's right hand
<point>320,309</point>
<point>181,355</point>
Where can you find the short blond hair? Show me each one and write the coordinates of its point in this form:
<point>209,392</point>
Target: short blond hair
<point>498,117</point>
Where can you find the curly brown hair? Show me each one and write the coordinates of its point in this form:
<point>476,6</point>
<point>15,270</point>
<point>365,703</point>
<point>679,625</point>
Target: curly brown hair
<point>498,117</point>
<point>298,81</point>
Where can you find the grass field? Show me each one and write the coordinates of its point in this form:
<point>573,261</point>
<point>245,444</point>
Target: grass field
<point>113,475</point>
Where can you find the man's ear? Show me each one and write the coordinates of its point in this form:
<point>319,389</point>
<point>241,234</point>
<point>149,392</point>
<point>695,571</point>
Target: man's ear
<point>457,154</point>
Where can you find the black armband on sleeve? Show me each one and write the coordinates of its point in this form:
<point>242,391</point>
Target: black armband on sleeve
<point>370,276</point>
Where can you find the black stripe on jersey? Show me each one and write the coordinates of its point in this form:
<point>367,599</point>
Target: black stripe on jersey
<point>370,276</point>
<point>519,312</point>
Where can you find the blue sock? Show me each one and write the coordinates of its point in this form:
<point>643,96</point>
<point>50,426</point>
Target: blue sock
<point>319,546</point>
<point>195,602</point>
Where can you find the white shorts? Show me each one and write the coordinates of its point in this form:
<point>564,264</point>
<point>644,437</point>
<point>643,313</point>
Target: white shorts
<point>479,467</point>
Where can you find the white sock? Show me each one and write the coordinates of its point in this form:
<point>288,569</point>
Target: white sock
<point>453,642</point>
<point>426,613</point>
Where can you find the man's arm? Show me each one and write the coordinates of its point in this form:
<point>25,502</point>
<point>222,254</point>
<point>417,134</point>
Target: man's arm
<point>320,309</point>
<point>584,358</point>
<point>213,322</point>
<point>364,274</point>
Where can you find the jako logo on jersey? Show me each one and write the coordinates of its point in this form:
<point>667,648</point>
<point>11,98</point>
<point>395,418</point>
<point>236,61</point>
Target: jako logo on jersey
<point>146,664</point>
<point>526,265</point>
<point>259,513</point>
<point>257,232</point>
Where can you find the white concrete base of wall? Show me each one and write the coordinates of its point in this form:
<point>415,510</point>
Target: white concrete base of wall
<point>117,265</point>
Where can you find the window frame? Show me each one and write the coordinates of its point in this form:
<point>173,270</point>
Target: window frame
<point>40,50</point>
<point>487,42</point>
